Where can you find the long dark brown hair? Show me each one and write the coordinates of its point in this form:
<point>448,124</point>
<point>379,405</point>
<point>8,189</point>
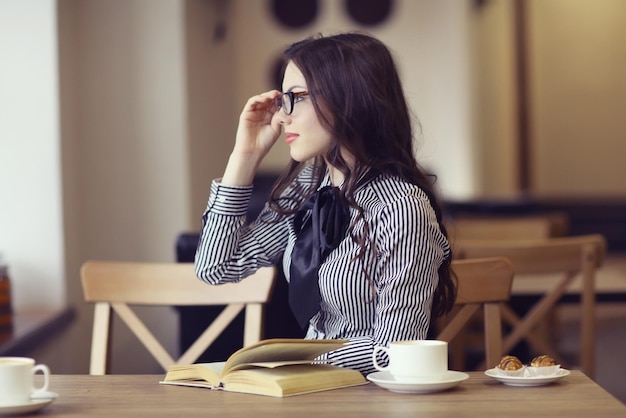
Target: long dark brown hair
<point>357,95</point>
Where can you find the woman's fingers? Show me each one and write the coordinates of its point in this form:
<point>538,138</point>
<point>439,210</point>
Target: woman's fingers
<point>258,129</point>
<point>261,105</point>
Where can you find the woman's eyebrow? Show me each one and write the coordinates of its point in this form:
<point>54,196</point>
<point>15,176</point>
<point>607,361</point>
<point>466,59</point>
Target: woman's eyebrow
<point>295,87</point>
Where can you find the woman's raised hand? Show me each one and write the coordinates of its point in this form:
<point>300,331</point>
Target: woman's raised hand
<point>259,128</point>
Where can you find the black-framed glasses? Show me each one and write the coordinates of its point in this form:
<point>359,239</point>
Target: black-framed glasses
<point>287,100</point>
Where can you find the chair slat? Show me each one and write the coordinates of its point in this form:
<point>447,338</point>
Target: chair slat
<point>538,226</point>
<point>552,255</point>
<point>210,334</point>
<point>144,335</point>
<point>151,285</point>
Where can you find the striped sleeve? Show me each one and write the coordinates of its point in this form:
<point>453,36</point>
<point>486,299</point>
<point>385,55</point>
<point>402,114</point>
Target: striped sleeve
<point>228,249</point>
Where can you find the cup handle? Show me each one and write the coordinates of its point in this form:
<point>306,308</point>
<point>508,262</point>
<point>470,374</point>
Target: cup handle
<point>376,350</point>
<point>45,371</point>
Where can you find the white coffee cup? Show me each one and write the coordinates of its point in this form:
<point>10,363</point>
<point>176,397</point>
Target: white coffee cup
<point>17,380</point>
<point>414,360</point>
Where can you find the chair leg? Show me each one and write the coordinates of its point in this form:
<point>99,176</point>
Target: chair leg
<point>100,338</point>
<point>493,334</point>
<point>253,328</point>
<point>587,320</point>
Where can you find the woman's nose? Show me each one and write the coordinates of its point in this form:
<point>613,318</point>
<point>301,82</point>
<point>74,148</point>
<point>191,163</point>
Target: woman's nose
<point>283,119</point>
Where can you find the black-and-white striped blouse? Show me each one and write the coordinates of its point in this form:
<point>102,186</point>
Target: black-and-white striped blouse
<point>393,304</point>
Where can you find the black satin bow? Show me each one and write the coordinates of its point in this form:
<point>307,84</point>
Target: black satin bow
<point>317,236</point>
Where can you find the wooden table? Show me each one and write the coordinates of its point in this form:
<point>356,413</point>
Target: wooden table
<point>479,396</point>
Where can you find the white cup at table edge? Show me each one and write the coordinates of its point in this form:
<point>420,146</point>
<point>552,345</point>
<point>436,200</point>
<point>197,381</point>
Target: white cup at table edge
<point>414,361</point>
<point>17,386</point>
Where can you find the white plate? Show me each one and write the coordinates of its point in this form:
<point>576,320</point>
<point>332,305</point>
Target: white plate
<point>527,380</point>
<point>31,406</point>
<point>386,380</point>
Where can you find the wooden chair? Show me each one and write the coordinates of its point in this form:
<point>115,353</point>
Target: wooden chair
<point>566,257</point>
<point>113,285</point>
<point>505,227</point>
<point>482,283</point>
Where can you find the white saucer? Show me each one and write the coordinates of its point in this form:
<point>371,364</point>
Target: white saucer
<point>44,395</point>
<point>30,406</point>
<point>527,380</point>
<point>386,380</point>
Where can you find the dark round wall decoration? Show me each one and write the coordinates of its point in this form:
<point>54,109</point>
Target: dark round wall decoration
<point>369,12</point>
<point>295,14</point>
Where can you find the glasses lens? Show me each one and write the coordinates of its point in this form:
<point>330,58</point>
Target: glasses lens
<point>287,102</point>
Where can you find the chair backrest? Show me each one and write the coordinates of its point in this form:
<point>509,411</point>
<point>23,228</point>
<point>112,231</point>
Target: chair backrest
<point>537,226</point>
<point>539,256</point>
<point>113,285</point>
<point>481,282</point>
<point>564,257</point>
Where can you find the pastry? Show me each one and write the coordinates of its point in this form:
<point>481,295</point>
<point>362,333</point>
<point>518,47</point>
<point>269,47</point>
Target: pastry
<point>510,363</point>
<point>542,361</point>
<point>510,366</point>
<point>543,366</point>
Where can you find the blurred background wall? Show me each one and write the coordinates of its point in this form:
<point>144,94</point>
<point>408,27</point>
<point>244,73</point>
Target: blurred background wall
<point>117,114</point>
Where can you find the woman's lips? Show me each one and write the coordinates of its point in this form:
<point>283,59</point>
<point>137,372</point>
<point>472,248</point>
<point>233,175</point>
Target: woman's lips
<point>289,137</point>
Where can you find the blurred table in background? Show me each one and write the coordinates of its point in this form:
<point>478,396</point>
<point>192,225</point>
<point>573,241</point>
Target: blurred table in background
<point>31,328</point>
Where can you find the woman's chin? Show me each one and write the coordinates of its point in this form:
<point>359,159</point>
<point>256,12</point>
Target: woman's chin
<point>299,157</point>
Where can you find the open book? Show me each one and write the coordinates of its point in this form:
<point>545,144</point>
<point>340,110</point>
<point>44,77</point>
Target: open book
<point>276,367</point>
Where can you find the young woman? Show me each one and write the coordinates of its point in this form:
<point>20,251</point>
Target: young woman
<point>353,220</point>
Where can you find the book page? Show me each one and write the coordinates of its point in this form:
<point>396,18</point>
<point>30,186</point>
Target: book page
<point>274,364</point>
<point>281,350</point>
<point>199,374</point>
